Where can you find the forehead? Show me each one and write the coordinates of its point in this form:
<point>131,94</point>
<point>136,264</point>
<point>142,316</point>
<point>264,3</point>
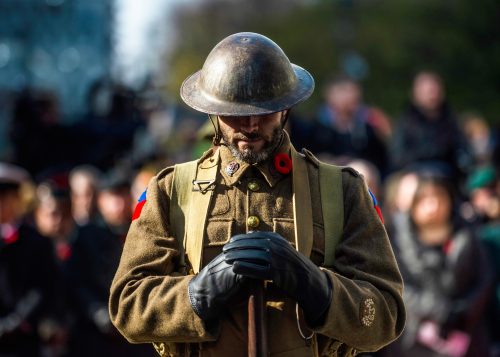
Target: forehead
<point>120,191</point>
<point>427,80</point>
<point>430,189</point>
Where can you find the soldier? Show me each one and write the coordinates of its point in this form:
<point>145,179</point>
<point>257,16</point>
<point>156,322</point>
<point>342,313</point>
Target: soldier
<point>253,209</point>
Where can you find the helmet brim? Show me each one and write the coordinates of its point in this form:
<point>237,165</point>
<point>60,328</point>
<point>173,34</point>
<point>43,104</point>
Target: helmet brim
<point>196,98</point>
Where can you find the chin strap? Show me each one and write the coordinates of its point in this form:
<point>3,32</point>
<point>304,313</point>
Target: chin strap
<point>284,117</point>
<point>216,140</point>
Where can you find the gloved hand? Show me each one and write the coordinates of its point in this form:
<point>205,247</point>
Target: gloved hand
<point>268,256</point>
<point>212,287</point>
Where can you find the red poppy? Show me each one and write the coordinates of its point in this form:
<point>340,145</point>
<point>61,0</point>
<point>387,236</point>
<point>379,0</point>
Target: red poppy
<point>10,233</point>
<point>63,251</point>
<point>283,163</point>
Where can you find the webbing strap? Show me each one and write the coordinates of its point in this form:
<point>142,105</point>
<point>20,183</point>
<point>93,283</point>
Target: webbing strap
<point>193,203</point>
<point>302,205</point>
<point>179,205</point>
<point>332,204</point>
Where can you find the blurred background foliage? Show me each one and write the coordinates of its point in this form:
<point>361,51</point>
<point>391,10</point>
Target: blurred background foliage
<point>380,42</point>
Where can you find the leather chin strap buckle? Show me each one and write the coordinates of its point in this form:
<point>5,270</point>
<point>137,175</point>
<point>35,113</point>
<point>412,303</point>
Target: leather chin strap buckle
<point>203,186</point>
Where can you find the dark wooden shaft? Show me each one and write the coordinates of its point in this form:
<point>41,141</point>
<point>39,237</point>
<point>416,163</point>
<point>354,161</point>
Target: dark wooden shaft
<point>257,334</point>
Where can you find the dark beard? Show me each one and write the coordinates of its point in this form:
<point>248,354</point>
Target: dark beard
<point>253,157</point>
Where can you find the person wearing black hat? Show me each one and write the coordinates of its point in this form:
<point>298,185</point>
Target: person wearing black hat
<point>254,213</point>
<point>28,274</point>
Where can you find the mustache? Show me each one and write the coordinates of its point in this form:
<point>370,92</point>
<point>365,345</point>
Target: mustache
<point>247,136</point>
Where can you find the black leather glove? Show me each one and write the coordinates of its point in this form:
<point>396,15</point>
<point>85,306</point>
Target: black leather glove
<point>212,287</point>
<point>268,256</point>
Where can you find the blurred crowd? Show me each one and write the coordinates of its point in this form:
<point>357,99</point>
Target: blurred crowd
<point>68,192</point>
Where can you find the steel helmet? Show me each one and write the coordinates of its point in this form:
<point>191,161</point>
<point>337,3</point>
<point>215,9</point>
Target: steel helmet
<point>246,74</point>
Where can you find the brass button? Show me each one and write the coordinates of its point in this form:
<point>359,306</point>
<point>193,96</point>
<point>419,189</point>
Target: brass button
<point>253,186</point>
<point>253,221</point>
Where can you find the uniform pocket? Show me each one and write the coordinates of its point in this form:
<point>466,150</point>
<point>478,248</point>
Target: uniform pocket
<point>285,227</point>
<point>219,231</point>
<point>221,203</point>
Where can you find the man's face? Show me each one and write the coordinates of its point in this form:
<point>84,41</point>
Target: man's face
<point>344,98</point>
<point>486,202</point>
<point>428,92</point>
<point>252,138</point>
<point>115,206</point>
<point>53,217</point>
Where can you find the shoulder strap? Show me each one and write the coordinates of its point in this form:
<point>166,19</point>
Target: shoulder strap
<point>191,195</point>
<point>332,204</point>
<point>302,205</point>
<point>179,205</point>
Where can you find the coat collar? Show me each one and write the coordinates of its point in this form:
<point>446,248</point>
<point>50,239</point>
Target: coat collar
<point>233,169</point>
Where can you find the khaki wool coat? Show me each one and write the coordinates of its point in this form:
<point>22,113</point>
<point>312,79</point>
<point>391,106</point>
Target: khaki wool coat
<point>149,296</point>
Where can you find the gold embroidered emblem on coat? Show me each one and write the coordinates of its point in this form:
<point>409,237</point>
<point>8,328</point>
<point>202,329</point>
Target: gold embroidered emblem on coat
<point>253,222</point>
<point>367,312</point>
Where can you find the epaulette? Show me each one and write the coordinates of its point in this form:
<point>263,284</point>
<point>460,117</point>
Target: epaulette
<point>309,155</point>
<point>351,171</point>
<point>164,172</point>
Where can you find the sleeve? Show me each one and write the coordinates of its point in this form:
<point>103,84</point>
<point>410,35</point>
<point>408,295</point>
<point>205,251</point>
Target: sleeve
<point>366,311</point>
<point>149,298</point>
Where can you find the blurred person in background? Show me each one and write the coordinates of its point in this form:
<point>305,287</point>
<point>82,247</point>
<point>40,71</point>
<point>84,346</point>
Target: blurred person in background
<point>83,182</point>
<point>482,185</point>
<point>428,130</point>
<point>399,189</point>
<point>480,138</point>
<point>96,254</point>
<point>53,217</point>
<point>447,277</point>
<point>484,188</point>
<point>29,279</point>
<point>140,182</point>
<point>347,127</point>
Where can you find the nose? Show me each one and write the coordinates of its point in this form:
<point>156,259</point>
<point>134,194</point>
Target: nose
<point>250,124</point>
<point>432,205</point>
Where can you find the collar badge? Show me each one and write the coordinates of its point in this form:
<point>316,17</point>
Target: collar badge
<point>231,168</point>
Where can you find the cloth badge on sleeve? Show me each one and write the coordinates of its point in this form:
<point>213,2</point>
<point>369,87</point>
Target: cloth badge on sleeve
<point>138,208</point>
<point>375,205</point>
